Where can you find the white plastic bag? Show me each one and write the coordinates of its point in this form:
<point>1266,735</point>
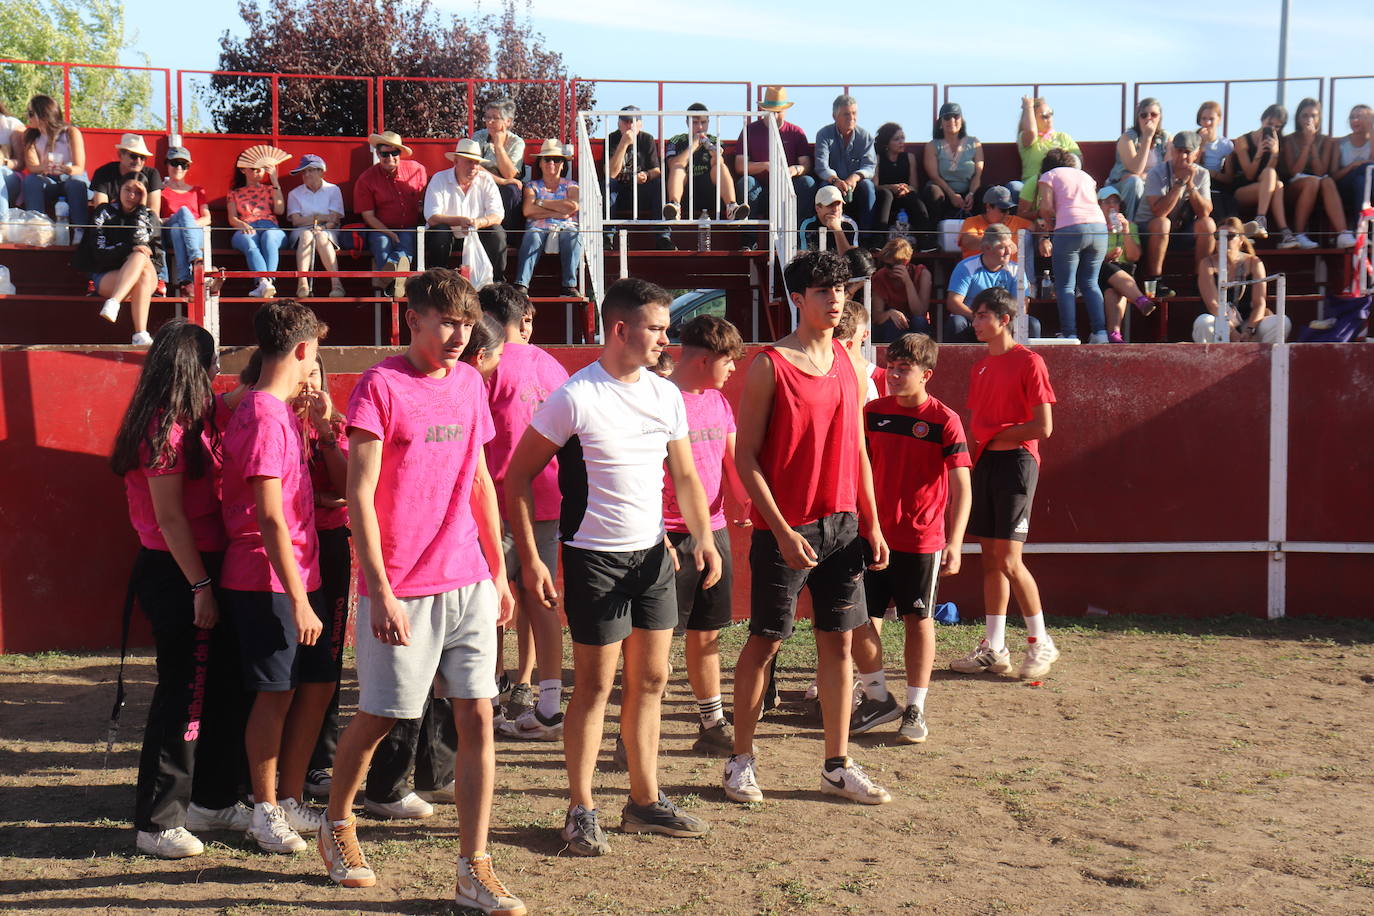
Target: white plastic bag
<point>476,261</point>
<point>949,234</point>
<point>6,287</point>
<point>29,227</point>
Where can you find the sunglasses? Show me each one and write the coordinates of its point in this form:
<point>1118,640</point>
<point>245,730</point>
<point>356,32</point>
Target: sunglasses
<point>178,164</point>
<point>137,157</point>
<point>949,117</point>
<point>388,153</point>
<point>1046,114</point>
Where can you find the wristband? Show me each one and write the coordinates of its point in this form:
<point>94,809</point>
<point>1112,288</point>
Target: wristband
<point>200,586</point>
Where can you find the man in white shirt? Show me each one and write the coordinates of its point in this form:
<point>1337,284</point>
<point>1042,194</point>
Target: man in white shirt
<point>465,200</point>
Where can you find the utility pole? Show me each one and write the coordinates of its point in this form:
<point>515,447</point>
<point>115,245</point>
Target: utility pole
<point>1283,48</point>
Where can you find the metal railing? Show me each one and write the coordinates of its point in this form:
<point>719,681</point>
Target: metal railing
<point>68,66</point>
<point>1226,93</point>
<point>1036,89</point>
<point>469,103</point>
<point>274,99</point>
<point>1331,108</point>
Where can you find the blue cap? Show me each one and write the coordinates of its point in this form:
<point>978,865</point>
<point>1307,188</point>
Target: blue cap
<point>309,161</point>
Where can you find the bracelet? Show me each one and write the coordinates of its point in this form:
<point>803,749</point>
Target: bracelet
<point>200,586</point>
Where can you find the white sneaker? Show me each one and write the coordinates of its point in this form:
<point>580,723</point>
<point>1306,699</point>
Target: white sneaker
<point>812,695</point>
<point>983,660</point>
<point>1345,240</point>
<point>412,807</point>
<point>1304,241</point>
<point>1040,656</point>
<point>110,310</point>
<point>741,780</point>
<point>271,831</point>
<point>237,816</point>
<point>1098,337</point>
<point>398,290</point>
<point>479,888</point>
<point>851,782</point>
<point>142,339</point>
<point>531,726</point>
<point>343,856</point>
<point>440,796</point>
<point>176,843</point>
<point>1288,240</point>
<point>305,819</point>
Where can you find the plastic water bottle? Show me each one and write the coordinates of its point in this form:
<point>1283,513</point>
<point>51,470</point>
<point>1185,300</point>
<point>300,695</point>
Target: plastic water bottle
<point>704,231</point>
<point>901,229</point>
<point>62,235</point>
<point>1046,285</point>
<point>6,287</point>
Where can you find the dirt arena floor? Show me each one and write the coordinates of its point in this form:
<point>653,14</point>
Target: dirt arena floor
<point>1164,767</point>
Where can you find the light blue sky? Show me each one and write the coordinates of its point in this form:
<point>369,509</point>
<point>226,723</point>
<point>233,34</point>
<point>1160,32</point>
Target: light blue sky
<point>954,42</point>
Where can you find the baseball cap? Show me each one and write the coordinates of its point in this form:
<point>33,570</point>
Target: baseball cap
<point>828,195</point>
<point>309,161</point>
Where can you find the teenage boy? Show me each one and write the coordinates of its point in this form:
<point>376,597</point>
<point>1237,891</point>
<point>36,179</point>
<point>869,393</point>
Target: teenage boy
<point>1011,403</point>
<point>802,459</point>
<point>611,427</point>
<point>920,463</point>
<point>432,583</point>
<point>523,380</point>
<point>710,347</point>
<point>272,577</point>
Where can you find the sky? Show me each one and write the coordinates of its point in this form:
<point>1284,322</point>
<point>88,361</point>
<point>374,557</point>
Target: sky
<point>806,42</point>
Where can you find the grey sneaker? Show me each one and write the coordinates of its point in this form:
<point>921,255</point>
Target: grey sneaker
<point>411,807</point>
<point>1040,656</point>
<point>521,701</point>
<point>983,660</point>
<point>583,834</point>
<point>872,713</point>
<point>317,783</point>
<point>440,796</point>
<point>913,728</point>
<point>235,817</point>
<point>714,740</point>
<point>661,817</point>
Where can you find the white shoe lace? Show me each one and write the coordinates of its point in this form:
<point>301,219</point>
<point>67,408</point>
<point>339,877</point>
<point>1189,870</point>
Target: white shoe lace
<point>859,778</point>
<point>744,775</point>
<point>277,826</point>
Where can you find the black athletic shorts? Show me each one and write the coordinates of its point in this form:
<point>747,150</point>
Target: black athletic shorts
<point>272,659</point>
<point>1110,269</point>
<point>1003,489</point>
<point>609,593</point>
<point>702,608</point>
<point>909,581</point>
<point>836,582</point>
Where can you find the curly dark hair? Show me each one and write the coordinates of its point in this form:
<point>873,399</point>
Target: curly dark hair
<point>815,268</point>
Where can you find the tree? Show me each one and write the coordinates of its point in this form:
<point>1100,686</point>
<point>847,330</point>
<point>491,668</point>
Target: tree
<point>390,38</point>
<point>85,31</point>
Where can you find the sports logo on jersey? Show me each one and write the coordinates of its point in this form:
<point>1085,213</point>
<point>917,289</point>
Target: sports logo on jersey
<point>1023,526</point>
<point>884,421</point>
<point>445,432</point>
<point>921,429</point>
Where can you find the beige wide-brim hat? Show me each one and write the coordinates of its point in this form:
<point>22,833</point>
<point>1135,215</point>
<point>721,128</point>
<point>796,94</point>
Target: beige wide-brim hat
<point>388,138</point>
<point>775,98</point>
<point>261,156</point>
<point>552,149</point>
<point>134,144</point>
<point>466,149</point>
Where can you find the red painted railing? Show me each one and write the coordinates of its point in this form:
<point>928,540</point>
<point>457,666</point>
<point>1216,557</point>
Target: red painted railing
<point>471,83</point>
<point>275,80</point>
<point>68,66</point>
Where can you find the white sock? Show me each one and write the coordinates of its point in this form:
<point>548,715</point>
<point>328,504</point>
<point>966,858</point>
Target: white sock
<point>997,631</point>
<point>875,685</point>
<point>550,695</point>
<point>916,696</point>
<point>710,710</point>
<point>1035,628</point>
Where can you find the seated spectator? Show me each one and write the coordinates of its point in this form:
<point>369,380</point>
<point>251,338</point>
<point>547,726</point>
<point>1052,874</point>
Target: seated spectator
<point>1067,198</point>
<point>121,254</point>
<point>316,209</point>
<point>1178,197</point>
<point>991,267</point>
<point>997,207</point>
<point>843,232</point>
<point>551,205</point>
<point>1305,160</point>
<point>1116,279</point>
<point>954,169</point>
<point>753,167</point>
<point>1246,307</point>
<point>896,181</point>
<point>1353,156</point>
<point>1215,154</point>
<point>1036,136</point>
<point>901,293</point>
<point>254,202</point>
<point>184,212</point>
<point>847,160</point>
<point>1253,175</point>
<point>709,173</point>
<point>387,196</point>
<point>1141,148</point>
<point>133,155</point>
<point>464,200</point>
<point>632,164</point>
<point>55,160</point>
<point>11,148</point>
<point>503,155</point>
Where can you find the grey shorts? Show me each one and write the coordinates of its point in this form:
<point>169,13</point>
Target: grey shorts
<point>545,542</point>
<point>452,650</point>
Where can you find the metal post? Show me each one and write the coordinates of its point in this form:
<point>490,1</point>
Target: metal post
<point>1221,326</point>
<point>1278,470</point>
<point>1283,49</point>
<point>1020,325</point>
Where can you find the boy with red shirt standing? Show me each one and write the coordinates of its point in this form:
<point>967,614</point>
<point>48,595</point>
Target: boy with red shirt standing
<point>1011,402</point>
<point>920,462</point>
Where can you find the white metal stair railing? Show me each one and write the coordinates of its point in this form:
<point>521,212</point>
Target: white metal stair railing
<point>589,224</point>
<point>782,212</point>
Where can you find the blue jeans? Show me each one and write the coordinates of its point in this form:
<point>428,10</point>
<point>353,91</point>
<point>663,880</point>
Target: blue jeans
<point>182,237</point>
<point>10,183</point>
<point>1131,188</point>
<point>569,253</point>
<point>860,205</point>
<point>1078,254</point>
<point>754,192</point>
<point>42,191</point>
<point>263,247</point>
<point>385,252</point>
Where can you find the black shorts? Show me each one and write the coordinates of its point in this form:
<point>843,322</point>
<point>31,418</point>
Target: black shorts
<point>1110,269</point>
<point>702,608</point>
<point>836,581</point>
<point>609,593</point>
<point>1003,489</point>
<point>909,580</point>
<point>272,659</point>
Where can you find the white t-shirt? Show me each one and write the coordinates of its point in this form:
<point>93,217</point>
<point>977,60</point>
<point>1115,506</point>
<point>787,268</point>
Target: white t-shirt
<point>613,437</point>
<point>445,197</point>
<point>328,199</point>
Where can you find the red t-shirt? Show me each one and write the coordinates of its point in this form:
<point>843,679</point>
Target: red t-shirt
<point>912,448</point>
<point>888,284</point>
<point>1004,391</point>
<point>810,454</point>
<point>172,201</point>
<point>879,376</point>
<point>393,197</point>
<point>327,518</point>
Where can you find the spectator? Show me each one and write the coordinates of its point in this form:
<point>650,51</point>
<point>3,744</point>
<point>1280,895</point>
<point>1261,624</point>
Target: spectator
<point>752,159</point>
<point>1254,172</point>
<point>122,253</point>
<point>133,159</point>
<point>387,196</point>
<point>990,267</point>
<point>633,166</point>
<point>1141,148</point>
<point>55,159</point>
<point>954,167</point>
<point>503,155</point>
<point>11,151</point>
<point>551,205</point>
<point>709,173</point>
<point>1352,157</point>
<point>1067,199</point>
<point>896,180</point>
<point>185,213</point>
<point>1178,194</point>
<point>901,293</point>
<point>846,159</point>
<point>254,202</point>
<point>1305,160</point>
<point>1036,136</point>
<point>1247,310</point>
<point>464,199</point>
<point>830,214</point>
<point>1116,279</point>
<point>997,207</point>
<point>316,209</point>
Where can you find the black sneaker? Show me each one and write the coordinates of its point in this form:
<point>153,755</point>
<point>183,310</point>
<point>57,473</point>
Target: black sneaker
<point>569,292</point>
<point>583,834</point>
<point>714,740</point>
<point>772,699</point>
<point>661,817</point>
<point>872,713</point>
<point>521,701</point>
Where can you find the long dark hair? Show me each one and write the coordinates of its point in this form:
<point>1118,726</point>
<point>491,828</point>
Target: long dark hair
<point>884,136</point>
<point>49,114</point>
<point>174,389</point>
<point>487,333</point>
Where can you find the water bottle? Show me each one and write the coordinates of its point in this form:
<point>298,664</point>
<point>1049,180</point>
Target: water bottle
<point>1046,285</point>
<point>62,236</point>
<point>901,229</point>
<point>704,231</point>
<point>6,287</point>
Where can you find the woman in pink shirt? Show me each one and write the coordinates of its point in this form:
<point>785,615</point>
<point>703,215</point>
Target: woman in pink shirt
<point>1067,198</point>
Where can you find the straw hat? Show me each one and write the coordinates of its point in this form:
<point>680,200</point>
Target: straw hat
<point>775,98</point>
<point>552,149</point>
<point>134,144</point>
<point>388,138</point>
<point>466,149</point>
<point>261,156</point>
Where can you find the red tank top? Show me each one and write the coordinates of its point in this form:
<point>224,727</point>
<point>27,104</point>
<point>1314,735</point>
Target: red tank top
<point>810,454</point>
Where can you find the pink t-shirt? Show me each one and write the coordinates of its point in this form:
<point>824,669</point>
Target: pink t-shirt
<point>1075,197</point>
<point>709,421</point>
<point>199,495</point>
<point>523,379</point>
<point>263,439</point>
<point>432,432</point>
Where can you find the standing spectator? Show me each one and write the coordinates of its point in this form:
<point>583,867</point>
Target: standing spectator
<point>185,213</point>
<point>1116,279</point>
<point>1353,156</point>
<point>387,196</point>
<point>1036,136</point>
<point>55,159</point>
<point>1248,312</point>
<point>1254,172</point>
<point>1141,148</point>
<point>503,155</point>
<point>847,160</point>
<point>133,160</point>
<point>1068,201</point>
<point>122,253</point>
<point>633,174</point>
<point>954,169</point>
<point>997,207</point>
<point>901,293</point>
<point>551,205</point>
<point>1305,159</point>
<point>843,231</point>
<point>465,200</point>
<point>254,202</point>
<point>316,209</point>
<point>753,167</point>
<point>703,153</point>
<point>896,180</point>
<point>1178,197</point>
<point>11,152</point>
<point>990,267</point>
